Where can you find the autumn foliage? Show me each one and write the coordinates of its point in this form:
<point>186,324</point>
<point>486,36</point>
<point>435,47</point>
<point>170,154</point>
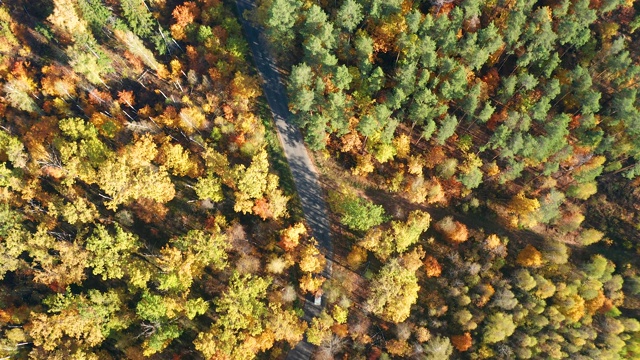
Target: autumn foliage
<point>145,203</point>
<point>462,342</point>
<point>529,257</point>
<point>432,267</point>
<point>453,230</point>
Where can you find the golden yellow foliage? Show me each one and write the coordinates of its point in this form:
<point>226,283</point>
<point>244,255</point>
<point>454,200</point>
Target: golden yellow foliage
<point>593,305</point>
<point>524,209</point>
<point>422,334</point>
<point>529,257</point>
<point>290,237</point>
<point>311,260</point>
<point>398,347</point>
<point>492,169</point>
<point>245,87</point>
<point>58,81</point>
<point>402,143</point>
<point>574,309</point>
<point>412,260</point>
<point>486,292</point>
<point>310,283</point>
<point>492,241</point>
<point>191,119</point>
<point>364,165</point>
<point>350,141</point>
<point>384,34</point>
<point>65,19</point>
<point>436,193</point>
<point>356,257</point>
<point>417,189</point>
<point>177,159</point>
<point>414,165</point>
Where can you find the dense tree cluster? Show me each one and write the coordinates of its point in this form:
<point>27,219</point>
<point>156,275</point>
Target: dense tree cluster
<point>523,90</point>
<point>519,115</point>
<point>136,189</point>
<point>485,157</point>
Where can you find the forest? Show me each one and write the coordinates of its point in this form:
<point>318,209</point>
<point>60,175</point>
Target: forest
<point>480,160</point>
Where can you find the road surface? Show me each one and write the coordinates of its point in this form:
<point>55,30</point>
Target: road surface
<point>305,176</point>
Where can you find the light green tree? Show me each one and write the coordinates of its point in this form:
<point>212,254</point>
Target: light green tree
<point>393,290</point>
<point>83,321</point>
<point>498,327</point>
<point>349,15</point>
<point>243,315</point>
<point>358,213</point>
<point>209,187</point>
<point>110,251</point>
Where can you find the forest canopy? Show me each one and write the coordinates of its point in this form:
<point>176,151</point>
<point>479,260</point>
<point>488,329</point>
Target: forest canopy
<point>136,172</point>
<point>514,124</point>
<point>480,160</point>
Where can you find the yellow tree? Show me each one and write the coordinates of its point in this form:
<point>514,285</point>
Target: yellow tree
<point>245,323</point>
<point>110,251</point>
<point>529,257</point>
<point>402,145</point>
<point>524,210</point>
<point>257,189</point>
<point>79,211</point>
<point>285,324</point>
<point>408,233</point>
<point>8,40</point>
<point>311,260</point>
<point>66,21</point>
<point>320,329</point>
<point>311,283</point>
<point>186,257</point>
<point>379,242</point>
<point>18,90</point>
<point>176,158</point>
<point>56,263</point>
<point>398,238</point>
<point>191,119</point>
<point>13,242</point>
<point>290,237</point>
<point>58,81</point>
<point>131,175</point>
<point>245,87</point>
<point>78,321</point>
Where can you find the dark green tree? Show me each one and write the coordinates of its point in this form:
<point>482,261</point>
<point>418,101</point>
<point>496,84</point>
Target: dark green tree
<point>138,17</point>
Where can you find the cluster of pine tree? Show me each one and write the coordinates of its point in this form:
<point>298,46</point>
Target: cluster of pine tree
<point>512,112</point>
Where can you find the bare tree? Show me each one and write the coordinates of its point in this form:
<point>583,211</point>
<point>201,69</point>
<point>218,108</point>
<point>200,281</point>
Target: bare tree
<point>329,348</point>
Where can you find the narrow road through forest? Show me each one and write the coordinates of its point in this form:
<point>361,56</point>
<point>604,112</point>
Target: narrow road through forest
<point>304,173</point>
